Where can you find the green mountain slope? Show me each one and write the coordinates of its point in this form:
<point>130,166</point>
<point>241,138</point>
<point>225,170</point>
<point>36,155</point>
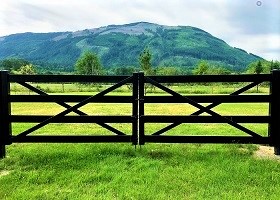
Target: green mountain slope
<point>120,45</point>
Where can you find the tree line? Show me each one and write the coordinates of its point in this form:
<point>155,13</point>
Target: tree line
<point>89,63</point>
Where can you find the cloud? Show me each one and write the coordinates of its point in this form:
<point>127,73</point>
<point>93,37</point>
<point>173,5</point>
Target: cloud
<point>266,45</point>
<point>250,18</point>
<point>215,16</point>
<point>241,23</point>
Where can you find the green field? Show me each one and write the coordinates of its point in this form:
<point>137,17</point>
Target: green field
<point>154,171</point>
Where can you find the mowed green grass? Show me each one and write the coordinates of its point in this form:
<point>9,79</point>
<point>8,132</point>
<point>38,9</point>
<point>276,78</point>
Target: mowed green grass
<point>154,171</point>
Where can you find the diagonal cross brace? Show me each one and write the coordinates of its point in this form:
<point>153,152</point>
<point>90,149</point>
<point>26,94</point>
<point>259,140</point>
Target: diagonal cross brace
<point>212,105</point>
<point>75,107</point>
<point>42,93</point>
<point>65,105</point>
<point>202,108</point>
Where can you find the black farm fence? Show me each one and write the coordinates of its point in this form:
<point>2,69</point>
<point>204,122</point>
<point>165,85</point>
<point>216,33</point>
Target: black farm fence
<point>271,119</point>
<point>138,119</point>
<point>7,137</point>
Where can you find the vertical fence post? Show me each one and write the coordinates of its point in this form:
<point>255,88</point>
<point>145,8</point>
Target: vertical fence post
<point>274,111</point>
<point>135,109</point>
<point>141,108</point>
<point>5,111</point>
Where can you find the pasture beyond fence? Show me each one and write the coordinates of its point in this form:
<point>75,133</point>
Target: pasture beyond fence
<point>138,100</point>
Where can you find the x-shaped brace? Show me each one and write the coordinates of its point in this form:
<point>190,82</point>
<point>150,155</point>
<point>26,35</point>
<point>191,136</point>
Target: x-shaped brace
<point>73,108</point>
<point>203,109</point>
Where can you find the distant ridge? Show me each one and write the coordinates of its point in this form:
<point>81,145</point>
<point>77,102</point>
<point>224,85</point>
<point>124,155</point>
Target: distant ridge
<point>120,45</point>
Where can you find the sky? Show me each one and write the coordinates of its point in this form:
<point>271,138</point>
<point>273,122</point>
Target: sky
<point>253,25</point>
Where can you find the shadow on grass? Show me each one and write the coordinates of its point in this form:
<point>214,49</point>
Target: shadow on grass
<point>84,156</point>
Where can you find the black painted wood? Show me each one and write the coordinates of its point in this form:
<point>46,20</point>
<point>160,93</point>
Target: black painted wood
<point>138,99</point>
<point>67,78</point>
<point>71,139</point>
<point>212,78</point>
<point>5,111</point>
<point>274,111</point>
<point>206,139</point>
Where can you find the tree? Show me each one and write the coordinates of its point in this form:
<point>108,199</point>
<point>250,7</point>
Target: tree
<point>259,68</point>
<point>145,62</point>
<point>168,71</point>
<point>88,64</point>
<point>146,66</point>
<point>202,68</point>
<point>13,64</point>
<point>216,70</point>
<point>274,65</point>
<point>27,69</point>
<point>125,70</point>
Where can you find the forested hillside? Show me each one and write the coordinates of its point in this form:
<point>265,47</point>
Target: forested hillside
<point>120,45</point>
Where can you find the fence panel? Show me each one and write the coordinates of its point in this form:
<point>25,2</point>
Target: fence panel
<point>138,118</point>
<point>196,100</point>
<point>26,136</point>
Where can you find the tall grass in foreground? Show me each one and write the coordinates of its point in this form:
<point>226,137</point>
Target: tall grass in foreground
<point>117,171</point>
<point>153,171</point>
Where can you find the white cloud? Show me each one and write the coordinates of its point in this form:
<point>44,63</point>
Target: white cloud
<point>238,22</point>
<point>267,45</point>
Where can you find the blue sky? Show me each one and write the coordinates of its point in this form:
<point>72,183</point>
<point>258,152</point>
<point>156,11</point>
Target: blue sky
<point>248,24</point>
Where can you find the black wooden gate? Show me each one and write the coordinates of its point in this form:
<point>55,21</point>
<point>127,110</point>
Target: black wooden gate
<point>7,138</point>
<point>138,118</point>
<point>272,119</point>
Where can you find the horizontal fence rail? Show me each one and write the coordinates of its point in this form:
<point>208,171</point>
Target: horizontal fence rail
<point>207,139</point>
<point>70,98</point>
<point>66,78</point>
<point>214,117</point>
<point>212,78</point>
<point>138,101</point>
<point>203,119</point>
<point>73,119</point>
<point>72,139</point>
<point>210,99</point>
<point>114,82</point>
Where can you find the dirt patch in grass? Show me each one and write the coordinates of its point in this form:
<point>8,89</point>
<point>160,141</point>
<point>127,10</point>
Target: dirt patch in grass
<point>266,152</point>
<point>4,173</point>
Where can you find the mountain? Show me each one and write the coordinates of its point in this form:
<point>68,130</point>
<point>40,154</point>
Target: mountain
<point>120,45</point>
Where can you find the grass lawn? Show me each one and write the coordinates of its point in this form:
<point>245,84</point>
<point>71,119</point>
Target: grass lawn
<point>154,171</point>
